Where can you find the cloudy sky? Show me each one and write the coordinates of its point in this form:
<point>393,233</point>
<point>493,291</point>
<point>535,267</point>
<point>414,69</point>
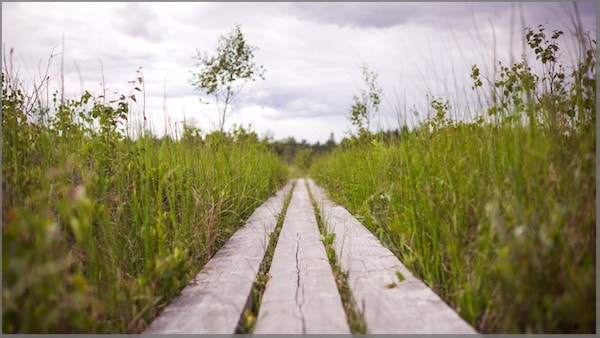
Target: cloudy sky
<point>312,54</point>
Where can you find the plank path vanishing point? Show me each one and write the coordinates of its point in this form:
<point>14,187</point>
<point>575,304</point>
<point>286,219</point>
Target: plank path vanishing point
<point>301,295</point>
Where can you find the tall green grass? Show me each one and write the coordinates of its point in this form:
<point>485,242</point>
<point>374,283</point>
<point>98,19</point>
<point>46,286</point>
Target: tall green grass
<point>497,215</point>
<point>101,230</point>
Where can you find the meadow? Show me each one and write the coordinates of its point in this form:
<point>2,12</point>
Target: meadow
<point>497,214</point>
<point>100,229</point>
<point>103,222</point>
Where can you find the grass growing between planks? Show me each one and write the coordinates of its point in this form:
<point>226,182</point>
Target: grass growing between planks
<point>354,317</point>
<point>248,318</point>
<point>100,230</point>
<point>498,216</point>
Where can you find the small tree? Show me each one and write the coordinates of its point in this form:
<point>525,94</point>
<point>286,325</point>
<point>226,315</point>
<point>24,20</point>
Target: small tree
<point>367,103</point>
<point>225,74</point>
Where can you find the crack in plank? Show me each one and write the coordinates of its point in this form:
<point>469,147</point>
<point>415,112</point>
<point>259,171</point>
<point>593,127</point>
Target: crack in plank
<point>299,287</point>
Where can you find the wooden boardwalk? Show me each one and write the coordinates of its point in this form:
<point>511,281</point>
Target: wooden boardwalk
<point>301,295</point>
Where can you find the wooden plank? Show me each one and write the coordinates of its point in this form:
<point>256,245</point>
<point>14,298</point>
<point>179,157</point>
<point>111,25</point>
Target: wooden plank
<point>301,296</point>
<point>388,304</point>
<point>214,300</point>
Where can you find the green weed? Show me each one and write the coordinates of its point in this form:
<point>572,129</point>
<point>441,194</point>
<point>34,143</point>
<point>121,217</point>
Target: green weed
<point>100,230</point>
<point>496,215</point>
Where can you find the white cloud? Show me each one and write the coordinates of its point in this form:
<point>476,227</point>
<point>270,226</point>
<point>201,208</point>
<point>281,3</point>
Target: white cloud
<point>311,51</point>
<point>138,20</point>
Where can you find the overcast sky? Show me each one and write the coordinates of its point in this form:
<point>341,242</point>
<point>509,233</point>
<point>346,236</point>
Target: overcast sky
<point>312,54</point>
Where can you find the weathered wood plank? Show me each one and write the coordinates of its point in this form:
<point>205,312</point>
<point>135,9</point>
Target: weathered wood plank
<point>214,300</point>
<point>388,304</point>
<point>301,296</point>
